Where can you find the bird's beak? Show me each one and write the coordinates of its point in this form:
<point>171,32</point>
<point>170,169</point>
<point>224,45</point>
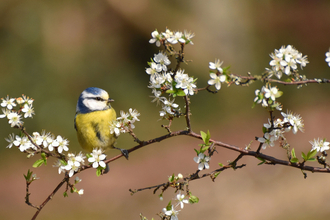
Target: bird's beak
<point>110,100</point>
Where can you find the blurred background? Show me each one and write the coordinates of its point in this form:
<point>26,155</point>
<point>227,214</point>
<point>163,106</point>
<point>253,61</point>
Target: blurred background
<point>53,50</point>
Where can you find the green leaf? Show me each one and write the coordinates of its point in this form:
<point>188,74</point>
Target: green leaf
<point>278,94</point>
<point>216,174</point>
<point>171,178</point>
<point>293,153</point>
<point>38,163</point>
<point>225,69</point>
<point>294,160</point>
<point>181,93</point>
<point>63,162</point>
<point>205,148</point>
<point>99,171</point>
<point>193,199</point>
<point>311,159</point>
<point>28,175</point>
<point>169,206</point>
<point>220,164</point>
<point>65,194</point>
<point>43,156</point>
<point>262,161</point>
<point>206,137</point>
<point>303,155</point>
<point>264,130</point>
<point>311,154</point>
<point>197,152</point>
<point>170,91</point>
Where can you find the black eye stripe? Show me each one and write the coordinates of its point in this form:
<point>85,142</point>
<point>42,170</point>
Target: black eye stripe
<point>95,98</point>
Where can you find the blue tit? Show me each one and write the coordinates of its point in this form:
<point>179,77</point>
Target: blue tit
<point>94,115</point>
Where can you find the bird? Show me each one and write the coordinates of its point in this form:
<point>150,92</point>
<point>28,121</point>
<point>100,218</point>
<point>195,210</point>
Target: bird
<point>94,114</point>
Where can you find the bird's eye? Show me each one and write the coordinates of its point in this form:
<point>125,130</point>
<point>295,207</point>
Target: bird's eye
<point>98,98</point>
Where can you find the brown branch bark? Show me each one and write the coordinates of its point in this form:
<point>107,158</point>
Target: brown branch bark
<point>65,179</point>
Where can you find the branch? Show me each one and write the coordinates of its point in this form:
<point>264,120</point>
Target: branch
<point>186,98</point>
<point>243,152</point>
<point>253,78</point>
<point>65,179</point>
<point>191,177</point>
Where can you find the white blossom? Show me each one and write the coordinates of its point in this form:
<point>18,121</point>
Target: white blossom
<point>203,161</point>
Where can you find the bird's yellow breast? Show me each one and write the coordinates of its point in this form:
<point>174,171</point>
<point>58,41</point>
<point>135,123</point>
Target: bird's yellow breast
<point>93,129</point>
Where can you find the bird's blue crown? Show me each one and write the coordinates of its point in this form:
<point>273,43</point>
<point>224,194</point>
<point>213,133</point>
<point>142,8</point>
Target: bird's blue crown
<point>81,107</point>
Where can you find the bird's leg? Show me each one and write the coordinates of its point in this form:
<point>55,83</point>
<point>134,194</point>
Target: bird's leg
<point>123,151</point>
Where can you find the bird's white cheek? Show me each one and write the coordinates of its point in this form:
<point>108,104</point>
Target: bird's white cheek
<point>93,104</point>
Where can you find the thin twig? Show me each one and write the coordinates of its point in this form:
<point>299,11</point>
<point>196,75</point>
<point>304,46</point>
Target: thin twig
<point>186,98</point>
<point>65,179</point>
<point>283,82</point>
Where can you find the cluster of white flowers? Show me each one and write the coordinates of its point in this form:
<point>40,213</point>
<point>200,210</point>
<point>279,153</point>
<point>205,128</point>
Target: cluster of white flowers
<point>320,145</point>
<point>203,161</point>
<point>277,128</point>
<point>267,97</point>
<point>218,77</point>
<point>72,165</point>
<point>171,37</point>
<point>23,143</point>
<point>327,57</point>
<point>172,213</point>
<point>45,140</point>
<point>162,80</point>
<point>125,122</point>
<point>295,121</point>
<point>15,109</point>
<point>97,158</point>
<point>180,199</point>
<point>59,143</point>
<point>186,83</point>
<point>15,116</point>
<point>285,61</point>
<point>169,108</point>
<point>74,162</point>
